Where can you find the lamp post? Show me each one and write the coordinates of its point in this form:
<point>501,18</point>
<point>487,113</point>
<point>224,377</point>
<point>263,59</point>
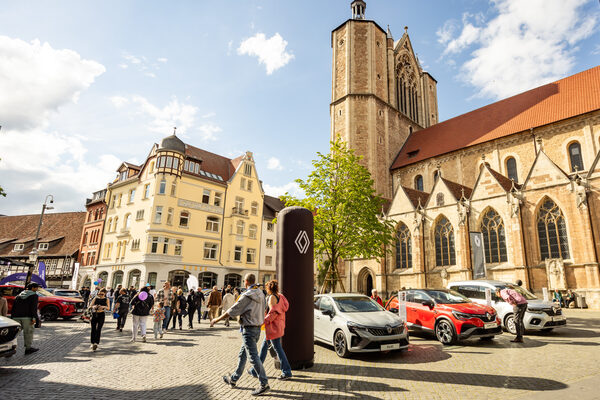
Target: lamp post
<point>33,255</point>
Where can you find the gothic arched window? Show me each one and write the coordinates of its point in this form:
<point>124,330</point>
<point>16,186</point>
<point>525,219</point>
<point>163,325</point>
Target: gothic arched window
<point>419,183</point>
<point>444,243</point>
<point>575,157</point>
<point>511,169</point>
<point>403,247</point>
<point>494,241</point>
<point>552,231</point>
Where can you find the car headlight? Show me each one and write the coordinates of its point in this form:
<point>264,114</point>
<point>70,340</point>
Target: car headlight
<point>535,311</point>
<point>461,316</point>
<point>354,327</point>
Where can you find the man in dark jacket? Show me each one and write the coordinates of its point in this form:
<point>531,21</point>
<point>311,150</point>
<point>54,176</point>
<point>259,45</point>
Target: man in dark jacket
<point>24,311</point>
<point>191,308</point>
<point>141,305</point>
<point>198,301</point>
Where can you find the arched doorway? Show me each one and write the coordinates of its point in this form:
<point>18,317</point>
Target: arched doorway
<point>103,278</point>
<point>365,281</point>
<point>87,282</point>
<point>134,278</point>
<point>117,279</point>
<point>179,278</point>
<point>207,280</point>
<point>235,280</point>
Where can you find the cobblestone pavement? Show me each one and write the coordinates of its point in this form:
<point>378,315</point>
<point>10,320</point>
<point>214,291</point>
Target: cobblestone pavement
<point>189,365</point>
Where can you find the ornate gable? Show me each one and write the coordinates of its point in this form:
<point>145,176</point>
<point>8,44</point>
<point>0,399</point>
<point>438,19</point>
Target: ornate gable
<point>407,200</point>
<point>544,172</point>
<point>491,183</point>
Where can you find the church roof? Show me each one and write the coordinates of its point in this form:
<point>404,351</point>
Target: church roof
<point>457,189</point>
<point>566,98</point>
<point>416,197</point>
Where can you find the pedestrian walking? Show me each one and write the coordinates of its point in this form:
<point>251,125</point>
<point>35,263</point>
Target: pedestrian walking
<point>3,305</point>
<point>519,303</point>
<point>198,301</point>
<point>250,307</point>
<point>191,308</point>
<point>99,306</point>
<point>110,295</point>
<point>214,302</point>
<point>228,301</point>
<point>122,308</point>
<point>85,294</point>
<point>159,316</point>
<point>141,305</point>
<point>180,309</point>
<point>25,312</point>
<point>164,295</point>
<point>277,306</point>
<point>375,296</point>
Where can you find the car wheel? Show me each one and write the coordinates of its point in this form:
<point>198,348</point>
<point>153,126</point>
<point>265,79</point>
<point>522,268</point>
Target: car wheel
<point>509,324</point>
<point>50,313</point>
<point>339,343</point>
<point>444,332</point>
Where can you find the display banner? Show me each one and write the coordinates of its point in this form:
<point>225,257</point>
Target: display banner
<point>75,276</point>
<point>42,270</point>
<point>545,292</point>
<point>477,255</point>
<point>402,306</point>
<point>192,282</point>
<point>488,296</point>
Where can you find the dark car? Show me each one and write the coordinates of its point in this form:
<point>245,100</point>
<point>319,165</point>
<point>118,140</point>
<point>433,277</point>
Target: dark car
<point>51,307</point>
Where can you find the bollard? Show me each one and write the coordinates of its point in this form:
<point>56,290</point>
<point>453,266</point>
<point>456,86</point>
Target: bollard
<point>295,231</point>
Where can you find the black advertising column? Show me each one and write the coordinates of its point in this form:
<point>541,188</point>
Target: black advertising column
<point>295,231</point>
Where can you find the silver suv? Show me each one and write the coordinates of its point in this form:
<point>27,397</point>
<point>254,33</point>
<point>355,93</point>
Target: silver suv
<point>540,314</point>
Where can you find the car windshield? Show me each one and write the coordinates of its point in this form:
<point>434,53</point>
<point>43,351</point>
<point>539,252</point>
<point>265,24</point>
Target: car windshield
<point>523,292</point>
<point>448,297</point>
<point>356,304</point>
<point>44,293</point>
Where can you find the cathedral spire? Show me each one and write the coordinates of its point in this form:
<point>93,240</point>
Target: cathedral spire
<point>389,33</point>
<point>358,9</point>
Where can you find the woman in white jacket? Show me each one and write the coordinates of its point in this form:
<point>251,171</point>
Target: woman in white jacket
<point>228,301</point>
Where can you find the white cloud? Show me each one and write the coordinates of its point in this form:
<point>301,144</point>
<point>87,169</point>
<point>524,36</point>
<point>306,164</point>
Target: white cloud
<point>119,101</point>
<point>36,80</point>
<point>521,47</point>
<point>270,52</point>
<point>274,164</point>
<point>162,59</point>
<point>142,64</point>
<point>292,188</point>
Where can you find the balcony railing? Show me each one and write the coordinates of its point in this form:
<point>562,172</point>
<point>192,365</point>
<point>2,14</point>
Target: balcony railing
<point>239,211</point>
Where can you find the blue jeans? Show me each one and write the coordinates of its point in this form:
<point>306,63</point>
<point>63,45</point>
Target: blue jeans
<point>250,336</point>
<point>285,364</point>
<point>165,324</point>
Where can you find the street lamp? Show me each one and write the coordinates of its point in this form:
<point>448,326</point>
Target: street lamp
<point>33,254</point>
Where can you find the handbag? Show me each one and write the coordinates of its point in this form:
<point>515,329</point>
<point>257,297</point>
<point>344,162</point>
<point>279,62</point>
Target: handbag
<point>87,314</point>
<point>115,315</point>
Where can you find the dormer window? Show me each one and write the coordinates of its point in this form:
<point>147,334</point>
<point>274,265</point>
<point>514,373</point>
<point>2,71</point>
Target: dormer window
<point>43,246</point>
<point>18,247</point>
<point>123,175</point>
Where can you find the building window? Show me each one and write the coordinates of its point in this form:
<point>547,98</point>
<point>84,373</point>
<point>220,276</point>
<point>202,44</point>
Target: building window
<point>247,169</point>
<point>131,195</point>
<point>240,227</point>
<point>439,199</point>
<point>18,247</point>
<point>178,246</point>
<point>184,219</point>
<point>85,238</point>
<point>119,199</point>
<point>269,243</point>
<point>173,188</point>
<point>269,260</point>
<point>552,231</point>
<point>250,256</point>
<point>43,246</point>
<point>575,157</point>
<point>116,224</point>
<point>210,251</point>
<point>151,166</point>
<point>239,205</point>
<point>114,200</point>
<point>436,173</point>
<point>237,254</point>
<point>243,183</point>
<point>162,187</point>
<point>403,247</point>
<point>218,199</point>
<point>154,247</point>
<point>170,216</point>
<point>212,224</point>
<point>158,215</point>
<point>207,279</point>
<point>127,222</point>
<point>109,226</point>
<point>419,183</point>
<point>135,244</point>
<point>254,208</point>
<point>152,276</point>
<point>146,191</point>
<point>511,169</point>
<point>444,243</point>
<point>249,185</point>
<point>270,226</point>
<point>252,229</point>
<point>166,246</point>
<point>206,196</point>
<point>139,215</point>
<point>494,241</point>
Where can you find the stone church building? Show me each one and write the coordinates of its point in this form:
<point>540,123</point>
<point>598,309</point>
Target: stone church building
<point>521,177</point>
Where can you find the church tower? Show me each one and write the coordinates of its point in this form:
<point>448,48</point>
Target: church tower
<point>380,94</point>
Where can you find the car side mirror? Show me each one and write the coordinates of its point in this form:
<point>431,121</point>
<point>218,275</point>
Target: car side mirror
<point>394,310</point>
<point>429,304</point>
<point>327,312</point>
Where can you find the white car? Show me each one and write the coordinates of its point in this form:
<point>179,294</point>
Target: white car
<point>9,330</point>
<point>354,323</point>
<point>540,315</point>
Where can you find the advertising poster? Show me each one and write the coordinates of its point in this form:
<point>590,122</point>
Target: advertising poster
<point>75,276</point>
<point>488,296</point>
<point>478,256</point>
<point>402,306</point>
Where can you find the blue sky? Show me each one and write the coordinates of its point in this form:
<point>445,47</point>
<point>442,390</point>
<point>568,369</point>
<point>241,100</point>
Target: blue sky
<point>85,85</point>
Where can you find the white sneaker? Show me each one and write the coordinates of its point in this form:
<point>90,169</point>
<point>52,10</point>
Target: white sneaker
<point>132,340</point>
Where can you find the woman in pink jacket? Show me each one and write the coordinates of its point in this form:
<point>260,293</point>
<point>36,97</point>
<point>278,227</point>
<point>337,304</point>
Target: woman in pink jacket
<point>277,305</point>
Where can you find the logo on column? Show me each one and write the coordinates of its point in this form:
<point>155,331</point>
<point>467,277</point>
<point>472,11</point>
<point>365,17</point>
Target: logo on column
<point>302,242</point>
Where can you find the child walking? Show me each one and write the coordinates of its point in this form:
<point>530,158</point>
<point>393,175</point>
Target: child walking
<point>159,316</point>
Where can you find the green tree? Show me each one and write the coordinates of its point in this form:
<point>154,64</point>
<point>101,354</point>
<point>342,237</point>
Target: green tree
<point>347,210</point>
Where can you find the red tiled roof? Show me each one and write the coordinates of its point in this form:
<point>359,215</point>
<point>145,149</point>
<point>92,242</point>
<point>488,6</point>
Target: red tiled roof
<point>506,183</point>
<point>575,95</point>
<point>55,225</point>
<point>213,163</point>
<point>415,196</point>
<point>457,189</point>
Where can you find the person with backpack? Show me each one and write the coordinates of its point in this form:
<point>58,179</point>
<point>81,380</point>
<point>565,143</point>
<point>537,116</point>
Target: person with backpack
<point>122,308</point>
<point>519,303</point>
<point>140,309</point>
<point>277,306</point>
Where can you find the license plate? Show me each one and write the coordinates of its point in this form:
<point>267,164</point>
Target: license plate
<point>490,325</point>
<point>393,346</point>
<point>559,318</point>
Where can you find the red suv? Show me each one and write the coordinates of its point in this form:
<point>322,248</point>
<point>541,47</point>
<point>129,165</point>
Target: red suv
<point>448,314</point>
<point>51,307</point>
